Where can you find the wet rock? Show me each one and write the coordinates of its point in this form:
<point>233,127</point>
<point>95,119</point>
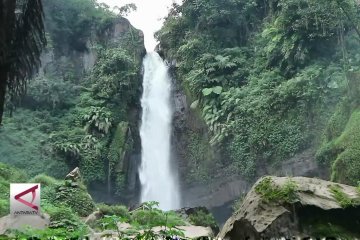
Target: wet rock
<point>74,175</point>
<point>93,217</point>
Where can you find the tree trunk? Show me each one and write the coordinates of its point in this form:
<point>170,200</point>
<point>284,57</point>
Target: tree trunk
<point>7,23</point>
<point>3,79</point>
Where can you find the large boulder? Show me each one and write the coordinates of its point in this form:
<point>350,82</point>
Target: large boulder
<point>278,207</point>
<point>11,222</point>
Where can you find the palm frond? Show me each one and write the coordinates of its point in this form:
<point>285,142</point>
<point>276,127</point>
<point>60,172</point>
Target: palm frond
<point>29,39</point>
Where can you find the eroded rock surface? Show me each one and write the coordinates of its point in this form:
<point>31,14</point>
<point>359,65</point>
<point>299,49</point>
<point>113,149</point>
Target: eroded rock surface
<point>313,212</point>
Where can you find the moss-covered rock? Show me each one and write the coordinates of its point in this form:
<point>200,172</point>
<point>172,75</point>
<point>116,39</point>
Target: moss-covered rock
<point>346,168</point>
<point>76,197</point>
<point>121,142</point>
<point>199,156</point>
<point>62,216</point>
<point>316,208</point>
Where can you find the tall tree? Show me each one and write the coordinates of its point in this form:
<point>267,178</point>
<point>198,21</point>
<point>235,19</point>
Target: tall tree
<point>21,39</point>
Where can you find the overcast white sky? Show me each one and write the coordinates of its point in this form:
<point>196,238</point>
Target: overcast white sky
<point>147,17</point>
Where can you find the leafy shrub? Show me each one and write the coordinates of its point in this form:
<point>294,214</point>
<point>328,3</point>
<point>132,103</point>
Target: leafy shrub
<point>11,174</point>
<point>62,216</point>
<point>201,218</point>
<point>4,207</point>
<point>118,210</point>
<point>44,180</point>
<point>150,216</point>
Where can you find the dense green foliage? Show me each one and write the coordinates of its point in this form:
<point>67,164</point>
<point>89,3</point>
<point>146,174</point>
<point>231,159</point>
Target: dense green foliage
<point>66,201</point>
<point>266,75</point>
<point>143,220</point>
<point>69,23</point>
<point>201,218</point>
<point>75,114</point>
<point>8,175</point>
<point>118,210</point>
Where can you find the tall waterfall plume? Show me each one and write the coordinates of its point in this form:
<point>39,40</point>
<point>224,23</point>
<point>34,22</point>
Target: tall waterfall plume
<point>158,181</point>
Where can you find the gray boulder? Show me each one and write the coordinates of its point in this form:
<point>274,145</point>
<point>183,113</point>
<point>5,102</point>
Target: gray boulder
<point>278,207</point>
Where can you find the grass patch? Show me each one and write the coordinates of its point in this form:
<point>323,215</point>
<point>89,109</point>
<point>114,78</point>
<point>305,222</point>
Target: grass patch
<point>342,198</point>
<point>44,180</point>
<point>270,192</point>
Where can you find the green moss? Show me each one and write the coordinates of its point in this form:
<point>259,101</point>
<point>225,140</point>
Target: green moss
<point>62,216</point>
<point>327,152</point>
<point>76,198</point>
<point>200,159</point>
<point>338,120</point>
<point>119,145</point>
<point>346,167</point>
<point>342,198</point>
<point>273,193</point>
<point>120,183</point>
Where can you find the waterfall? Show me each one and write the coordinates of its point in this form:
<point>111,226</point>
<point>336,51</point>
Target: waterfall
<point>158,181</point>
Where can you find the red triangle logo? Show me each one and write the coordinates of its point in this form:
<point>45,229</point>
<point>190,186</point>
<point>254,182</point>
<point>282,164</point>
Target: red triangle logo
<point>29,204</point>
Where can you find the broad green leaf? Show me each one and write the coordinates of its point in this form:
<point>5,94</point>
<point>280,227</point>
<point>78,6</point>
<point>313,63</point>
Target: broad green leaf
<point>194,104</point>
<point>217,89</point>
<point>207,91</point>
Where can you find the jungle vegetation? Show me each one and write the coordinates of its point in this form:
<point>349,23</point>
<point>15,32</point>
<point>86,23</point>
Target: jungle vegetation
<point>72,116</point>
<point>270,79</point>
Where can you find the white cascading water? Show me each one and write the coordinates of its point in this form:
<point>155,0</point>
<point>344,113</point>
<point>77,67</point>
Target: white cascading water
<point>158,182</point>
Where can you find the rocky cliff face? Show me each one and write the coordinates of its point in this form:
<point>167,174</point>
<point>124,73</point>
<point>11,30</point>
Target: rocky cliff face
<point>83,61</point>
<point>74,65</point>
<point>302,207</point>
